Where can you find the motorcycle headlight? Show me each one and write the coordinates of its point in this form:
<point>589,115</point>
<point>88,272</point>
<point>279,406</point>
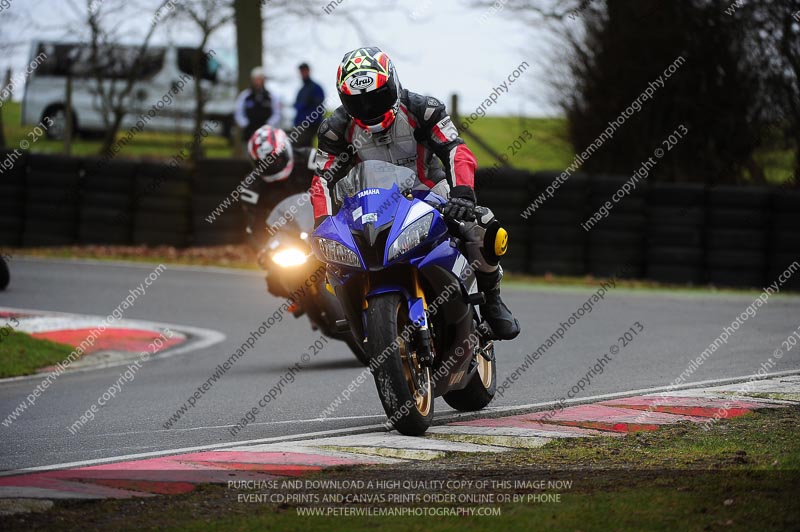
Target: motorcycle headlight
<point>339,253</point>
<point>411,237</point>
<point>287,258</point>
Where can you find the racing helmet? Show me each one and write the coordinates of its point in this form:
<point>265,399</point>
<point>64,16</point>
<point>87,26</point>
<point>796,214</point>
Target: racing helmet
<point>369,88</point>
<point>270,152</point>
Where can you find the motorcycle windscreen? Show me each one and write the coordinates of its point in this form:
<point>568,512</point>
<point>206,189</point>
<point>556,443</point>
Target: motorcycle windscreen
<point>372,192</point>
<point>374,174</point>
<point>293,214</point>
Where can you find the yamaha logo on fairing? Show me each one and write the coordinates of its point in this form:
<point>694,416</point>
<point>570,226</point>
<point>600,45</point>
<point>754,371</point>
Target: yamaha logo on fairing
<point>360,82</point>
<point>369,192</point>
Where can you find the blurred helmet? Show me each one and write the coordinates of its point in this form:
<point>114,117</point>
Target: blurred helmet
<point>270,152</point>
<point>369,88</point>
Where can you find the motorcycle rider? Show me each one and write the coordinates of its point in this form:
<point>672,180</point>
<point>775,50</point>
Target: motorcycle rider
<point>283,171</point>
<point>379,120</point>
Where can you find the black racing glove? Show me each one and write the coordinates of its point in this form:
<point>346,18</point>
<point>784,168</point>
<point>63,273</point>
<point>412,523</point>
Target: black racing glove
<point>461,206</point>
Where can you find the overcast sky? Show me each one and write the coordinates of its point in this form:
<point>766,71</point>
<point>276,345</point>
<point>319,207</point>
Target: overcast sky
<point>439,47</point>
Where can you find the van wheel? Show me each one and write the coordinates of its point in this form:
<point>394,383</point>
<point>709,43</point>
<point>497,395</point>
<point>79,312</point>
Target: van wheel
<point>58,129</point>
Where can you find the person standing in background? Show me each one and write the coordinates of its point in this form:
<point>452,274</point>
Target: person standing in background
<point>309,99</point>
<point>256,106</point>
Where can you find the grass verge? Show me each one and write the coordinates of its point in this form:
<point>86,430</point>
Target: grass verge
<point>21,354</point>
<point>740,475</point>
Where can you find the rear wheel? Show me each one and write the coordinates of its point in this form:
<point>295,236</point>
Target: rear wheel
<point>404,385</point>
<point>481,388</point>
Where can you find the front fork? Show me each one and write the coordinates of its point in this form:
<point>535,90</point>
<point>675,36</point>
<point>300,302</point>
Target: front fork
<point>418,314</point>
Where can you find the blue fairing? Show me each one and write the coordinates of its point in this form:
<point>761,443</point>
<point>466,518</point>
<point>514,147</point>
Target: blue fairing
<point>334,229</point>
<point>381,208</point>
<point>373,205</point>
<point>444,255</point>
<point>428,197</point>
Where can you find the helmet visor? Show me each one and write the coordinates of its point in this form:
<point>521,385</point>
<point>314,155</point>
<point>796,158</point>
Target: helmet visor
<point>274,163</point>
<point>370,107</point>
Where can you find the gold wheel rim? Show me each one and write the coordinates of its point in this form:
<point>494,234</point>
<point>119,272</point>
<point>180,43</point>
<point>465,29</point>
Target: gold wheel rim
<point>485,371</point>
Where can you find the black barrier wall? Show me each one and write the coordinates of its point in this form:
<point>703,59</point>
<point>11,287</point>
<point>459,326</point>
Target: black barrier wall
<point>733,236</point>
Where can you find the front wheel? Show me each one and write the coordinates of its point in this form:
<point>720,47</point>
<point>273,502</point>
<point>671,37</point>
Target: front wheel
<point>481,388</point>
<point>404,385</point>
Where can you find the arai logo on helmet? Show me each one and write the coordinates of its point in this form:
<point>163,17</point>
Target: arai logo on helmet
<point>361,82</point>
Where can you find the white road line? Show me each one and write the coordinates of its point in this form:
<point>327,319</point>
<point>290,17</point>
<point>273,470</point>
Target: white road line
<point>284,422</point>
<point>381,428</point>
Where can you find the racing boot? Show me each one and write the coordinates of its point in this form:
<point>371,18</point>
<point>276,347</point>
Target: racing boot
<point>494,312</point>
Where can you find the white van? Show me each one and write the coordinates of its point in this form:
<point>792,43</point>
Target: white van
<point>164,68</point>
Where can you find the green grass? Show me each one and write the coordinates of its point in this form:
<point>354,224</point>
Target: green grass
<point>765,440</point>
<point>21,354</point>
<point>739,475</point>
<point>548,149</point>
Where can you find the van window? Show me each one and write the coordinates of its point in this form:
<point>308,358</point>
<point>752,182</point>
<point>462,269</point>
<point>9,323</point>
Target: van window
<point>187,57</point>
<point>110,61</point>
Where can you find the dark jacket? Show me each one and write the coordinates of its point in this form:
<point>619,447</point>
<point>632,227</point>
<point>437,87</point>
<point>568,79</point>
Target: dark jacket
<point>309,98</point>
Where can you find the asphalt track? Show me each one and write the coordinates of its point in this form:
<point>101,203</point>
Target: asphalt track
<point>677,328</point>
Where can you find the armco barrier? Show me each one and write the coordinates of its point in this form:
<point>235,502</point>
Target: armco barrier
<point>740,236</point>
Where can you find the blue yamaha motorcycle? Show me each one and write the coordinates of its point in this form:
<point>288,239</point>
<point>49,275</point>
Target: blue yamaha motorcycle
<point>409,293</point>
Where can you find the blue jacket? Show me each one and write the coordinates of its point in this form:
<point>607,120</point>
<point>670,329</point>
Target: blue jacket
<point>309,98</point>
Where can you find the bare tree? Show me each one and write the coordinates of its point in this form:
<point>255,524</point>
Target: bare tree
<point>115,69</point>
<point>208,16</point>
<point>533,10</point>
